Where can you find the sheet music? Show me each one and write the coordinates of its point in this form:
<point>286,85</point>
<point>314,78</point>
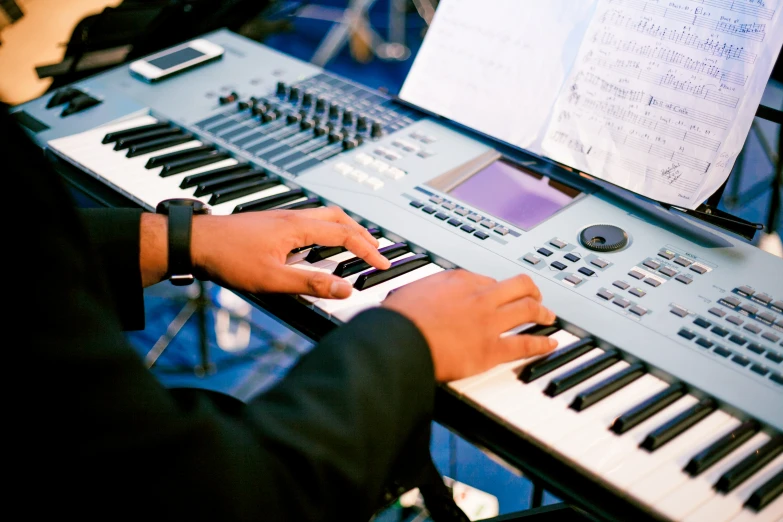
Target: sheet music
<point>656,96</point>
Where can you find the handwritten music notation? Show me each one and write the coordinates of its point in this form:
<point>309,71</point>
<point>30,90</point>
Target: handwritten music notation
<point>656,92</point>
<point>711,45</point>
<point>670,56</point>
<point>698,18</point>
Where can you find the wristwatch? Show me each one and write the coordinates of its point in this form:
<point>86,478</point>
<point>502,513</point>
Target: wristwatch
<point>180,212</point>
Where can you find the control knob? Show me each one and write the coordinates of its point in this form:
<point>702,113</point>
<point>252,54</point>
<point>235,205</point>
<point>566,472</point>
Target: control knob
<point>603,238</point>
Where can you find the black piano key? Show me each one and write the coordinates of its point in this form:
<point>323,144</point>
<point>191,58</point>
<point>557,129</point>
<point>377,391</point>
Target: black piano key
<point>159,144</point>
<point>607,387</point>
<point>319,253</point>
<point>670,429</point>
<point>202,177</point>
<point>270,202</point>
<point>765,494</point>
<point>542,329</point>
<point>124,143</point>
<point>157,161</point>
<point>750,465</point>
<point>646,409</point>
<point>556,359</point>
<point>722,447</point>
<point>581,373</point>
<point>242,189</point>
<point>301,248</point>
<point>357,264</point>
<point>302,205</point>
<point>403,266</point>
<point>184,165</point>
<point>116,135</point>
<point>228,183</point>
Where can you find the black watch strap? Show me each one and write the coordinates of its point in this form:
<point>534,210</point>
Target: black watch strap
<point>180,270</point>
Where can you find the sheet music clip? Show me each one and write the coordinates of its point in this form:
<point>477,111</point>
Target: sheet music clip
<point>709,214</point>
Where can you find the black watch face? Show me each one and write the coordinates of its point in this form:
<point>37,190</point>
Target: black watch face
<point>199,207</point>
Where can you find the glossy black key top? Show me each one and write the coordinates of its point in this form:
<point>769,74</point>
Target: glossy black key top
<point>670,429</point>
<point>542,329</point>
<point>197,179</point>
<point>581,373</point>
<point>607,387</point>
<point>184,165</point>
<point>229,182</point>
<point>765,494</point>
<point>272,201</point>
<point>397,268</point>
<point>124,143</point>
<point>116,135</point>
<point>320,253</point>
<point>750,465</point>
<point>721,447</point>
<point>302,205</point>
<point>242,189</point>
<point>556,359</point>
<point>357,264</point>
<point>646,409</point>
<point>159,144</point>
<point>158,161</point>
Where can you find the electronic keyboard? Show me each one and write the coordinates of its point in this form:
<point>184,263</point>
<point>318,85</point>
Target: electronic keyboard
<point>664,398</point>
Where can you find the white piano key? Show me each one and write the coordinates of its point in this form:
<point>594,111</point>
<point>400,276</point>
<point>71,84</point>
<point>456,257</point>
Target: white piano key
<point>698,490</point>
<point>515,402</point>
<point>373,296</point>
<point>772,513</point>
<point>563,338</point>
<point>589,426</point>
<point>609,452</point>
<point>722,508</point>
<point>226,208</point>
<point>670,475</point>
<point>330,263</point>
<point>642,462</point>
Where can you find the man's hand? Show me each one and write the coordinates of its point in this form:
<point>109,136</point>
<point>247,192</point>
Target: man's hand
<point>247,251</point>
<point>462,315</point>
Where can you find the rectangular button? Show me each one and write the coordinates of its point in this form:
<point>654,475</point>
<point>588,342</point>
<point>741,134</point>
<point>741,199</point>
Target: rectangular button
<point>428,210</point>
<point>762,298</point>
<point>682,261</point>
<point>666,254</point>
<point>752,328</point>
<point>745,290</point>
<point>501,230</point>
<point>557,243</point>
<point>652,282</point>
<point>748,308</point>
<point>605,294</point>
<point>687,334</point>
<point>586,271</point>
<point>481,235</point>
<point>572,257</point>
<point>767,317</point>
<point>638,292</point>
<point>723,352</point>
<point>416,204</point>
<point>621,285</point>
<point>769,336</point>
<point>636,274</point>
<point>544,252</point>
<point>698,269</point>
<point>679,312</point>
<point>558,265</point>
<point>488,223</point>
<point>757,368</point>
<point>475,218</point>
<point>467,228</point>
<point>600,263</point>
<point>651,263</point>
<point>461,211</point>
<point>702,322</point>
<point>736,339</point>
<point>730,301</point>
<point>755,348</point>
<point>667,271</point>
<point>448,205</point>
<point>733,319</point>
<point>622,303</point>
<point>573,279</point>
<point>720,332</point>
<point>704,343</point>
<point>441,216</point>
<point>774,357</point>
<point>741,360</point>
<point>638,310</point>
<point>436,199</point>
<point>533,260</point>
<point>454,222</point>
<point>716,311</point>
<point>686,280</point>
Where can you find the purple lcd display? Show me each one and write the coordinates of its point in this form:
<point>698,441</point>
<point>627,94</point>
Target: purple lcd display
<point>514,195</point>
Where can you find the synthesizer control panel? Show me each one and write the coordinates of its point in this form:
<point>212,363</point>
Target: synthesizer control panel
<point>690,301</point>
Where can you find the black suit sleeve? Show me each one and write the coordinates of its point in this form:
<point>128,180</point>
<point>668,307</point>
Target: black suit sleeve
<point>95,431</point>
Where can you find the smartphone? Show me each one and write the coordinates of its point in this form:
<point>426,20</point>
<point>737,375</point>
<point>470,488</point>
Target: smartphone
<point>175,60</point>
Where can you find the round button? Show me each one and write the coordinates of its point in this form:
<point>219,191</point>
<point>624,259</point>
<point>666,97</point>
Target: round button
<point>603,238</point>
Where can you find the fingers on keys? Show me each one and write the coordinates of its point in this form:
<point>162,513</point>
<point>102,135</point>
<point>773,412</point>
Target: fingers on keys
<point>292,280</point>
<point>351,236</point>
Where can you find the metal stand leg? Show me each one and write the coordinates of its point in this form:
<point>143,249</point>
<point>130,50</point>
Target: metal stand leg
<point>537,496</point>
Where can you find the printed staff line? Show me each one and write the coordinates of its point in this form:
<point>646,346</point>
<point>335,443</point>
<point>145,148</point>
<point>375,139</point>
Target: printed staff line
<point>671,57</point>
<point>670,81</point>
<point>740,7</point>
<point>612,160</point>
<point>709,45</point>
<point>659,151</point>
<point>751,31</point>
<point>689,112</point>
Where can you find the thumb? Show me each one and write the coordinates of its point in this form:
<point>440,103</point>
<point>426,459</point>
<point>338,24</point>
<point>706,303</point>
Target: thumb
<point>309,281</point>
